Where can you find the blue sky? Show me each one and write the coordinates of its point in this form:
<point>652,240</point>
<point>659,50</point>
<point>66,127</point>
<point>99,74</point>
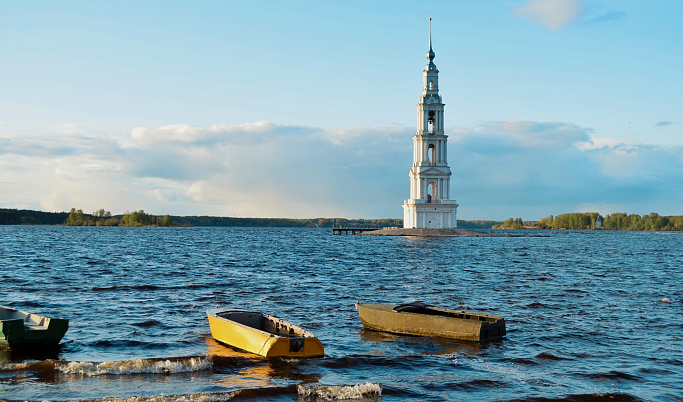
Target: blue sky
<point>307,109</point>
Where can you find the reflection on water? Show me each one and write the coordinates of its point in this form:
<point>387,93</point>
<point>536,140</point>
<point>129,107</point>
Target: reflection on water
<point>241,369</point>
<point>377,336</point>
<point>384,343</point>
<point>256,376</point>
<point>215,348</point>
<point>22,355</point>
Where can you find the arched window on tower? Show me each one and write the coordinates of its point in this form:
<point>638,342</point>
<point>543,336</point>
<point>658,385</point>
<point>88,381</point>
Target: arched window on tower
<point>431,155</point>
<point>431,191</point>
<point>431,85</point>
<point>430,122</point>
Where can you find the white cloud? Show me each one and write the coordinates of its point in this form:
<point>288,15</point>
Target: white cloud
<point>536,169</point>
<point>198,191</point>
<point>500,169</point>
<point>68,127</point>
<point>165,195</point>
<point>553,14</point>
<point>533,134</point>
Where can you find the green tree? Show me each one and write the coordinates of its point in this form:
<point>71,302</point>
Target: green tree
<point>136,218</point>
<point>166,221</point>
<point>75,218</point>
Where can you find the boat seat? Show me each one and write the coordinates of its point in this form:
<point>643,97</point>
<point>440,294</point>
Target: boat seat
<point>415,307</point>
<point>421,308</point>
<point>34,327</point>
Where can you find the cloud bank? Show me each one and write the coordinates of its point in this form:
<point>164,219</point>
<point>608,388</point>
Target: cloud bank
<point>500,170</point>
<point>552,14</point>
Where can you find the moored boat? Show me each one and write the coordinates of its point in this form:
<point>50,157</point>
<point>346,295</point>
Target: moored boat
<point>22,330</point>
<point>423,320</point>
<point>262,334</point>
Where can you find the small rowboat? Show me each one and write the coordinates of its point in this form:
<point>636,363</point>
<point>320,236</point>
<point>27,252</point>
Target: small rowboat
<point>423,320</point>
<point>22,330</point>
<point>262,334</point>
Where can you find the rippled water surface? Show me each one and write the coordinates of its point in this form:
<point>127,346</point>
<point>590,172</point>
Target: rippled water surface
<point>589,314</point>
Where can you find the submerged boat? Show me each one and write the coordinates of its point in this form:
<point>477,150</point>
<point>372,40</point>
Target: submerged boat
<point>22,330</point>
<point>262,334</point>
<point>424,320</point>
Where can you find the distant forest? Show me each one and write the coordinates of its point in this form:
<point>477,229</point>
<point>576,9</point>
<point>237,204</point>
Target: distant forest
<point>77,217</point>
<point>571,221</point>
<point>27,217</point>
<point>593,220</point>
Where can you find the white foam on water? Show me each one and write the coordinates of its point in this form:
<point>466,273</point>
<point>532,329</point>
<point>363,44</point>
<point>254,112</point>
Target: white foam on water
<point>13,366</point>
<point>138,366</point>
<point>204,397</point>
<point>335,392</point>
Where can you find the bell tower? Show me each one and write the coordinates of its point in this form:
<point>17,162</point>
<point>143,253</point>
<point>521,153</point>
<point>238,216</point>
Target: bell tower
<point>430,205</point>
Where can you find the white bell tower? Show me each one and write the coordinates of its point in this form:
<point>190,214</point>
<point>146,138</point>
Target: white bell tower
<point>430,205</point>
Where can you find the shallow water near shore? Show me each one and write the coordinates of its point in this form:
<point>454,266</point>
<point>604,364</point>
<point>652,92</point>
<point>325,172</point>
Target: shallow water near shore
<point>590,315</point>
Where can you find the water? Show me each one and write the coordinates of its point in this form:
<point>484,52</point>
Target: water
<point>584,313</point>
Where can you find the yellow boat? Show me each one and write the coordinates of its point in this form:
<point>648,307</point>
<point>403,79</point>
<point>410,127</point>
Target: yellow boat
<point>262,334</point>
<point>423,320</point>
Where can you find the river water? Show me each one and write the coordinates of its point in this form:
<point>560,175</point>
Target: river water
<point>590,315</point>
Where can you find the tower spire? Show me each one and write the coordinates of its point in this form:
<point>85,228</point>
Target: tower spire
<point>430,54</point>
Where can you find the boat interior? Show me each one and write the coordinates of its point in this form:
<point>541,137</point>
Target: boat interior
<point>30,320</point>
<point>419,308</point>
<point>262,322</point>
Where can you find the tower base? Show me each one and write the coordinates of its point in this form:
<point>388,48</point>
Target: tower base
<point>423,215</point>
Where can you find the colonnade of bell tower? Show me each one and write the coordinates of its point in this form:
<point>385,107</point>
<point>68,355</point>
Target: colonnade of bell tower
<point>430,205</point>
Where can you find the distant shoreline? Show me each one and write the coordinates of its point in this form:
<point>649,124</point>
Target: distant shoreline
<point>569,221</point>
<point>438,233</point>
<point>30,217</point>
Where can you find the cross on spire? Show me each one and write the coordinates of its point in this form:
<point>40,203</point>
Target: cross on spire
<point>430,54</point>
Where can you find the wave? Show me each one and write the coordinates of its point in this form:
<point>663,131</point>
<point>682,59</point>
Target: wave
<point>123,343</point>
<point>337,392</point>
<point>41,366</point>
<point>149,323</point>
<point>371,361</point>
<point>125,287</point>
<point>476,384</point>
<point>582,398</point>
<point>305,392</point>
<point>146,287</point>
<point>613,375</point>
<point>549,356</point>
<point>138,366</point>
<point>523,361</point>
<point>201,397</point>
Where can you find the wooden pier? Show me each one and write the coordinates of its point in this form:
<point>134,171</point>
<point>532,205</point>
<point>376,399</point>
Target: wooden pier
<point>345,230</point>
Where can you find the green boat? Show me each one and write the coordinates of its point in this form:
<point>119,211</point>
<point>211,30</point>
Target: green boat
<point>22,330</point>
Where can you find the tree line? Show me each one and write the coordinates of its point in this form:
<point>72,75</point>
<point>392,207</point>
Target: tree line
<point>101,217</point>
<point>76,217</point>
<point>593,220</point>
<point>28,217</point>
<point>652,221</point>
<point>283,222</point>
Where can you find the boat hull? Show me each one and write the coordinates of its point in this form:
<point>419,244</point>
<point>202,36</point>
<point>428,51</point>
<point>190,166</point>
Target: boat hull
<point>23,330</point>
<point>422,320</point>
<point>262,334</point>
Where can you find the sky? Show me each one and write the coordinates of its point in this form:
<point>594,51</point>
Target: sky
<point>305,109</point>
